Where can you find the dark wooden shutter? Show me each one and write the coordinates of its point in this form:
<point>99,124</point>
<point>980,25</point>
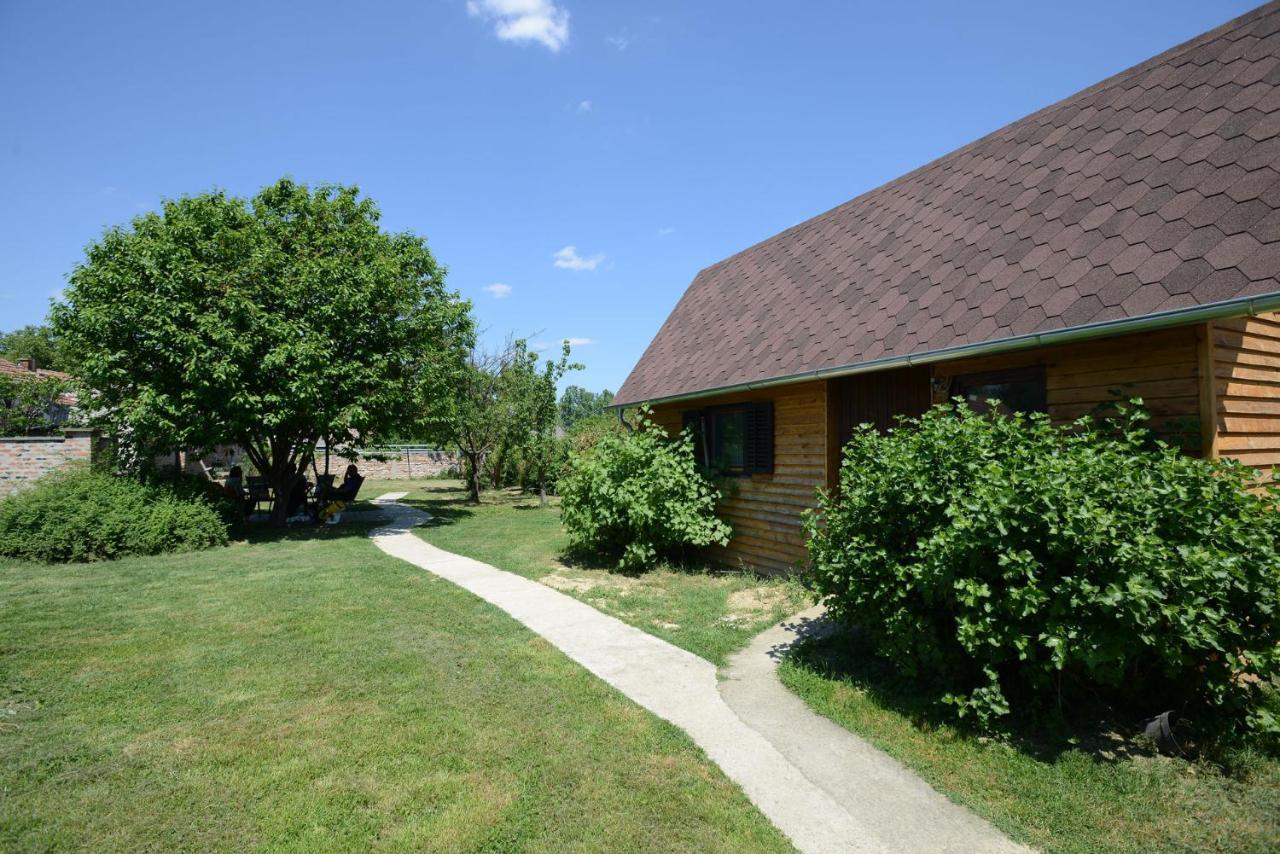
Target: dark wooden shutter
<point>759,449</point>
<point>691,420</point>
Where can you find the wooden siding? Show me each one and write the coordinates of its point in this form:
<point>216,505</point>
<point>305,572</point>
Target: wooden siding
<point>1160,367</point>
<point>1246,389</point>
<point>765,509</point>
<point>1163,368</point>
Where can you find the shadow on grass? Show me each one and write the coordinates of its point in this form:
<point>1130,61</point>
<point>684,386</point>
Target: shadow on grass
<point>443,511</point>
<point>260,532</point>
<point>454,490</point>
<point>845,655</point>
<point>692,564</point>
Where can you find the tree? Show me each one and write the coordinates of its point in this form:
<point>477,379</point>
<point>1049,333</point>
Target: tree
<point>35,341</point>
<point>475,424</point>
<point>577,404</point>
<point>505,403</point>
<point>540,414</point>
<point>32,405</point>
<point>270,324</point>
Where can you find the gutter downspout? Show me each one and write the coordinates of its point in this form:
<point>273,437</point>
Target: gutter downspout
<point>1147,323</point>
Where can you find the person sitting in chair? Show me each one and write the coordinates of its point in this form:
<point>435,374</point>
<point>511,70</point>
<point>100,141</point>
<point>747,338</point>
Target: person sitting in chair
<point>296,494</point>
<point>337,498</point>
<point>234,489</point>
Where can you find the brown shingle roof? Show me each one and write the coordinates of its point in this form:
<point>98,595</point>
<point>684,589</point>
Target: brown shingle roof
<point>1156,189</point>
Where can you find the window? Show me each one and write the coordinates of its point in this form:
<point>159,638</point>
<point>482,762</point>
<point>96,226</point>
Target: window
<point>729,438</point>
<point>736,440</point>
<point>1017,389</point>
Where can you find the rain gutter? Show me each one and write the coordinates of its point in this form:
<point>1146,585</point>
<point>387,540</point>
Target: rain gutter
<point>1146,323</point>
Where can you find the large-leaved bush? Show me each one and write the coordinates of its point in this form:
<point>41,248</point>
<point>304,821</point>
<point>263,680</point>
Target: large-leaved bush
<point>82,515</point>
<point>638,496</point>
<point>1013,563</point>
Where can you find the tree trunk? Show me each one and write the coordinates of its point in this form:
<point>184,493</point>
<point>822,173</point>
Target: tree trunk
<point>475,462</point>
<point>281,485</point>
<point>496,473</point>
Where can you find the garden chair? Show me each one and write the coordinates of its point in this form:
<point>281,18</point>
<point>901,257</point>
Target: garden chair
<point>338,501</point>
<point>260,493</point>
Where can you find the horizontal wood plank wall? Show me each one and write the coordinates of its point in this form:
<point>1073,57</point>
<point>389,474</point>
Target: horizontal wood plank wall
<point>1246,359</point>
<point>765,510</point>
<point>1160,367</point>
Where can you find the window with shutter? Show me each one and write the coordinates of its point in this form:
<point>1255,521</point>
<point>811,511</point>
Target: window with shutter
<point>735,440</point>
<point>759,456</point>
<point>693,421</point>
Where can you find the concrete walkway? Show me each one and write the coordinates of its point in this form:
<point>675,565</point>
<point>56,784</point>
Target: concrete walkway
<point>878,792</point>
<point>815,812</point>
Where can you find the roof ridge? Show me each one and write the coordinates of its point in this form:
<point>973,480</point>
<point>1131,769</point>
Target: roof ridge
<point>1114,80</point>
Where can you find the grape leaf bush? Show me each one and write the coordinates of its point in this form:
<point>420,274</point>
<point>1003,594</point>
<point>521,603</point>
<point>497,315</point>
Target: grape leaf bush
<point>638,496</point>
<point>1014,565</point>
<point>83,515</point>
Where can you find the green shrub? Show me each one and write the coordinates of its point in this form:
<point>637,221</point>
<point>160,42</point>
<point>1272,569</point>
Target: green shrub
<point>638,496</point>
<point>83,515</point>
<point>1009,562</point>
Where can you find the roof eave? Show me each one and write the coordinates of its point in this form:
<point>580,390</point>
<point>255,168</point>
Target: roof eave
<point>1148,322</point>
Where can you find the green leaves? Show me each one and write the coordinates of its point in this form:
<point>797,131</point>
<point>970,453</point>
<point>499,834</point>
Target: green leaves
<point>82,515</point>
<point>270,323</point>
<point>30,405</point>
<point>639,496</point>
<point>993,554</point>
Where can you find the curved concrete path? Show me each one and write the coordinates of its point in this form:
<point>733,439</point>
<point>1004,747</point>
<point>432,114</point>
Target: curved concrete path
<point>682,688</point>
<point>877,791</point>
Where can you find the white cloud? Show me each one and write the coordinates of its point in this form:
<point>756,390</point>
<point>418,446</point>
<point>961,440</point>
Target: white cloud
<point>569,259</point>
<point>584,106</point>
<point>620,42</point>
<point>666,230</point>
<point>540,21</point>
<point>497,290</point>
<point>578,342</point>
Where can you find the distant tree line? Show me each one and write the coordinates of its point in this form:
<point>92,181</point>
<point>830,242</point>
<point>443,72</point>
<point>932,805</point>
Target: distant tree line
<point>35,341</point>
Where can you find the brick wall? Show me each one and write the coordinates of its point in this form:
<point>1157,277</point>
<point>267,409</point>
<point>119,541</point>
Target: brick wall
<point>400,464</point>
<point>27,458</point>
<point>410,462</point>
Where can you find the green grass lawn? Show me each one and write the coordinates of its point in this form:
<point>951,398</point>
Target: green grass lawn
<point>1097,794</point>
<point>709,612</point>
<point>308,692</point>
<point>1054,795</point>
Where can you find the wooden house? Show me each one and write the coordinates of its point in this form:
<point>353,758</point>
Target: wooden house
<point>1123,241</point>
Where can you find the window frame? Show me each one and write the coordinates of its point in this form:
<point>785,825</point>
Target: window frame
<point>757,437</point>
<point>714,439</point>
<point>1026,374</point>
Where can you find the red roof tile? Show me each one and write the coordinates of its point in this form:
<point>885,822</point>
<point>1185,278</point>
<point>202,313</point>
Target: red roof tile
<point>1156,189</point>
<point>23,372</point>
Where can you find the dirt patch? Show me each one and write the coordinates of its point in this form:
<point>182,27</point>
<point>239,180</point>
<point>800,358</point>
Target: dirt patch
<point>567,584</point>
<point>561,580</point>
<point>753,602</point>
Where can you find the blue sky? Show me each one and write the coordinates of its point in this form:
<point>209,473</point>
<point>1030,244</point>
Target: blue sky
<point>573,163</point>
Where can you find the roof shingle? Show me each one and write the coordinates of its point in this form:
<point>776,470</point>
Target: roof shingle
<point>1155,189</point>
